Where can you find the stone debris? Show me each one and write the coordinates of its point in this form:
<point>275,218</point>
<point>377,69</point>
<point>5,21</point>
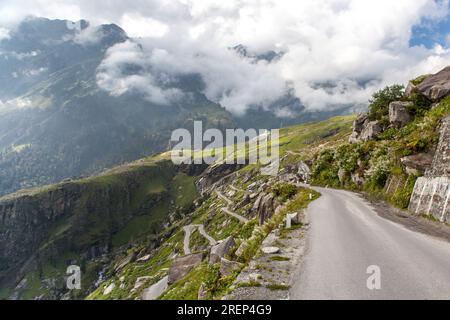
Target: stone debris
<point>270,250</point>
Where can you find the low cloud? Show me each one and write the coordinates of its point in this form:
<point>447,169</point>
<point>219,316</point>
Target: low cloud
<point>4,33</point>
<point>335,52</point>
<point>126,68</point>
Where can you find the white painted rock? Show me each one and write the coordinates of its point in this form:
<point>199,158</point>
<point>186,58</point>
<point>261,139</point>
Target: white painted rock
<point>270,250</point>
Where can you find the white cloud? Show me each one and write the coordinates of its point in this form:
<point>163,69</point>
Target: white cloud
<point>117,74</point>
<point>4,33</point>
<point>335,51</point>
<point>88,36</point>
<point>139,26</point>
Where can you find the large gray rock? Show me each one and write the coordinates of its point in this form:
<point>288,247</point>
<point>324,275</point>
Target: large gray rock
<point>227,267</point>
<point>304,172</point>
<point>417,164</point>
<point>371,131</point>
<point>270,250</point>
<point>364,130</point>
<point>124,262</point>
<point>266,208</point>
<point>360,122</point>
<point>410,89</point>
<point>183,265</point>
<point>437,86</point>
<point>398,114</point>
<point>221,250</point>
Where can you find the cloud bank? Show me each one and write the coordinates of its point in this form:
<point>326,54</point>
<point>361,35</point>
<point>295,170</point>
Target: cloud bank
<point>335,52</point>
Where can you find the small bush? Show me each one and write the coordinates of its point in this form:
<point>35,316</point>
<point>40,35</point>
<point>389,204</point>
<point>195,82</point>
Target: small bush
<point>379,104</point>
<point>284,191</point>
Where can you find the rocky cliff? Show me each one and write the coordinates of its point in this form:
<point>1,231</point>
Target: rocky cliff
<point>82,222</point>
<point>432,192</point>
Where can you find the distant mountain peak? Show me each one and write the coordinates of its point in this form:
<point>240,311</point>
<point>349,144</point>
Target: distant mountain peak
<point>268,56</point>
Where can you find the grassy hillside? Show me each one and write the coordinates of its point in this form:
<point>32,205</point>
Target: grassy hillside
<point>140,209</point>
<point>86,221</point>
<point>298,141</point>
<point>374,165</point>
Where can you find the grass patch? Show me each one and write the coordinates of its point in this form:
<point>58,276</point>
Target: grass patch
<point>277,287</point>
<point>279,258</point>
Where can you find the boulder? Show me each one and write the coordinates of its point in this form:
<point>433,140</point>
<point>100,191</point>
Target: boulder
<point>109,289</point>
<point>364,130</point>
<point>257,203</point>
<point>436,87</point>
<point>183,265</point>
<point>417,164</point>
<point>221,250</point>
<point>124,262</point>
<point>270,250</point>
<point>155,290</point>
<point>227,267</point>
<point>371,131</point>
<point>266,208</point>
<point>410,89</point>
<point>242,248</point>
<point>304,172</point>
<point>398,114</point>
<point>360,122</point>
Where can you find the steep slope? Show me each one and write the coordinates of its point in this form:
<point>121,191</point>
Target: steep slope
<point>85,222</point>
<point>404,137</point>
<point>57,122</point>
<point>130,221</point>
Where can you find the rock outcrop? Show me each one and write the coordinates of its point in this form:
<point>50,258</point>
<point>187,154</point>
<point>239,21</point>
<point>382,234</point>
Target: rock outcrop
<point>364,129</point>
<point>221,250</point>
<point>431,193</point>
<point>227,267</point>
<point>398,114</point>
<point>437,86</point>
<point>183,265</point>
<point>264,207</point>
<point>417,164</point>
<point>82,217</point>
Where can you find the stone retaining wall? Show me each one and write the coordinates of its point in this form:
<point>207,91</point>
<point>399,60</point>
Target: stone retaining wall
<point>431,195</point>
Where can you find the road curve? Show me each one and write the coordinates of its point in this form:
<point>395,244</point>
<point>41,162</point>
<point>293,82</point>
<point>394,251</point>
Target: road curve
<point>347,236</point>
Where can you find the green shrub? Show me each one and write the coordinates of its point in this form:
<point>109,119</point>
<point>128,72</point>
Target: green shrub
<point>379,104</point>
<point>420,105</point>
<point>284,191</point>
<point>402,196</point>
<point>419,80</point>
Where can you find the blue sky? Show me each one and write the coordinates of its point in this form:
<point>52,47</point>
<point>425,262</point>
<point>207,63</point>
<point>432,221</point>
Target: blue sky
<point>431,32</point>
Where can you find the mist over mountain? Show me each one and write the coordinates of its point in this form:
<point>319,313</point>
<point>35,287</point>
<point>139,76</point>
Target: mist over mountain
<point>55,120</point>
<point>77,98</point>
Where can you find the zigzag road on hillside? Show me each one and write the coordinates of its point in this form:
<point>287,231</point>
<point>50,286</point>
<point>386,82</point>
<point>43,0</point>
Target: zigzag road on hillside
<point>188,230</point>
<point>228,211</point>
